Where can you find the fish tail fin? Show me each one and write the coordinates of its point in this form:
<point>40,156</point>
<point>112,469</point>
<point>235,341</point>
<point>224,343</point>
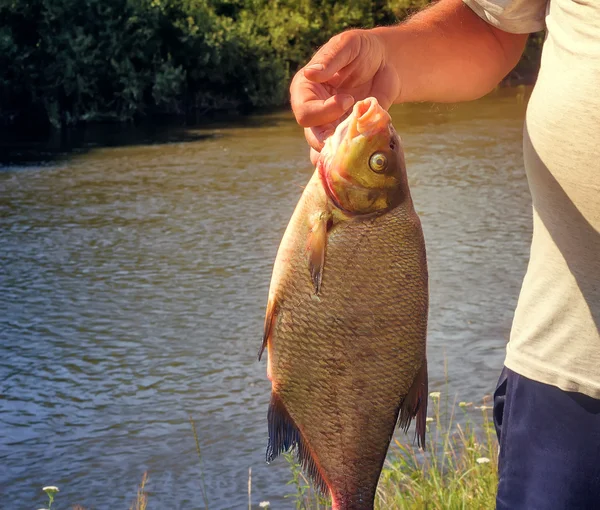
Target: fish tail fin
<point>284,435</point>
<point>415,404</point>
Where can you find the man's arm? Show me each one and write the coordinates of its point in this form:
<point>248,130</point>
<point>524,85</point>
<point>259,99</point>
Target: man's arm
<point>447,53</point>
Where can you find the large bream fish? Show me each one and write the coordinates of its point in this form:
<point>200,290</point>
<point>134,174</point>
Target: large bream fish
<point>347,313</point>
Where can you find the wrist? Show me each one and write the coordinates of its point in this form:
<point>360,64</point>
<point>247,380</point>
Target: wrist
<point>385,38</point>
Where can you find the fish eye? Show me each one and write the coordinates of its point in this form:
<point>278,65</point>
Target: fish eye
<point>378,162</point>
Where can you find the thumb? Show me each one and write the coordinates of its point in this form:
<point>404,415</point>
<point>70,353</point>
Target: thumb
<point>336,54</point>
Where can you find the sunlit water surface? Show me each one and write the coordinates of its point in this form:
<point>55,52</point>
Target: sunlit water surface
<point>133,282</point>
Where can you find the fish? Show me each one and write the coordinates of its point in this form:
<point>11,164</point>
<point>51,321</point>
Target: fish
<point>346,319</point>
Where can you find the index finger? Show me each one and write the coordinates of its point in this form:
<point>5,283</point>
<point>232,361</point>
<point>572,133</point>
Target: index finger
<point>314,105</point>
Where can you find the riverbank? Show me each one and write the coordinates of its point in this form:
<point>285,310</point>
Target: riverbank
<point>24,145</point>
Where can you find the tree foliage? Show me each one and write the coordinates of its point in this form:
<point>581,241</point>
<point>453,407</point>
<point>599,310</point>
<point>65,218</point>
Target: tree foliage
<point>67,61</point>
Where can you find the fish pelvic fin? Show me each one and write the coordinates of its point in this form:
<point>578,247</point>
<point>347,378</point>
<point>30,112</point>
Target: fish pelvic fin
<point>284,436</point>
<point>415,405</point>
<point>316,245</point>
<point>270,318</point>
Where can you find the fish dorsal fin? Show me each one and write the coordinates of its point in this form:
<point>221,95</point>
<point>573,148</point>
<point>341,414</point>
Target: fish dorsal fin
<point>284,436</point>
<point>415,404</point>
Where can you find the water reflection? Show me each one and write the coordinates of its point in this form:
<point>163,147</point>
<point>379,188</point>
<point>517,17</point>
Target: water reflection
<point>133,280</point>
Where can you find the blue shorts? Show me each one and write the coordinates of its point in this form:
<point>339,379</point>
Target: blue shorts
<point>549,446</point>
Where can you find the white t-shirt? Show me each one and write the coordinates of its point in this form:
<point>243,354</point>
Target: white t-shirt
<point>555,337</point>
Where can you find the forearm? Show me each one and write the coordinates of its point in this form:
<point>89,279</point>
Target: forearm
<point>446,53</point>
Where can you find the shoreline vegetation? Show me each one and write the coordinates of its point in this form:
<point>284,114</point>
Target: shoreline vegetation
<point>458,470</point>
<point>68,62</point>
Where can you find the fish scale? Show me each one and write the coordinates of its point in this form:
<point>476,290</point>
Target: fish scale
<point>343,361</point>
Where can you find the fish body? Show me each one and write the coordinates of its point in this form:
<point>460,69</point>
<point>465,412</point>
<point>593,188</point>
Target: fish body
<point>347,315</point>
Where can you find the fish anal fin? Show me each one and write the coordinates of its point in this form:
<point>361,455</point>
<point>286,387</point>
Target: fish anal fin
<point>316,245</point>
<point>270,318</point>
<point>284,436</point>
<point>415,405</point>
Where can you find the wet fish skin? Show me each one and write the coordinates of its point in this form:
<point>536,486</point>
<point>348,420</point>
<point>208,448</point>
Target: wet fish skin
<point>346,357</point>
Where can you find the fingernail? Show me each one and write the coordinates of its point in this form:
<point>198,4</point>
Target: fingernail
<point>347,102</point>
<point>315,67</point>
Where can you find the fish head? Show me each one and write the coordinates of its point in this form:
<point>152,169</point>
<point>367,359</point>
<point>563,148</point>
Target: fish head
<point>362,164</point>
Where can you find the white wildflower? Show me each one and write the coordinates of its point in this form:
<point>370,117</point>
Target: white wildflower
<point>482,460</point>
<point>435,394</point>
<point>264,504</point>
<point>50,488</point>
<point>429,419</point>
<point>465,404</point>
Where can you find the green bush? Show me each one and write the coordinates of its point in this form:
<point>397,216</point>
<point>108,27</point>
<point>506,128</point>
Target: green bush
<point>68,61</point>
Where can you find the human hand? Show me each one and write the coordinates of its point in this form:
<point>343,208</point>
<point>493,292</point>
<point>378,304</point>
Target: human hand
<point>348,68</point>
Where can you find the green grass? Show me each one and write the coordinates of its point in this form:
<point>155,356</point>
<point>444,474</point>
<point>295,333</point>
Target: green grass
<point>458,470</point>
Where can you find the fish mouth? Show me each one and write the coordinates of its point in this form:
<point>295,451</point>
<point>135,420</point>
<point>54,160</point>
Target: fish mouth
<point>367,119</point>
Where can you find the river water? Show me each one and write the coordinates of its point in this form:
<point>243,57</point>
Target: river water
<point>133,280</point>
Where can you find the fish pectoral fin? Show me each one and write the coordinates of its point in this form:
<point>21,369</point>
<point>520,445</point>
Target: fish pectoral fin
<point>415,404</point>
<point>316,245</point>
<point>270,317</point>
<point>285,435</point>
